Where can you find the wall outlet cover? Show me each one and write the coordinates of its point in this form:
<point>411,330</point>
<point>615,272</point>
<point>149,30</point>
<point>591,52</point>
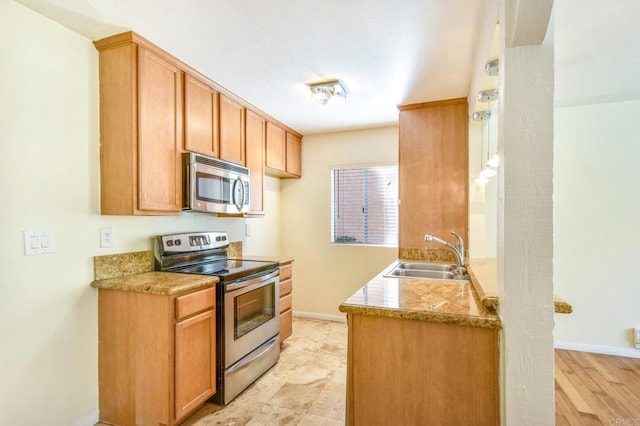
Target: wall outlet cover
<point>106,237</point>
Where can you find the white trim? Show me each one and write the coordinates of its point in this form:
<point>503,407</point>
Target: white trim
<point>597,349</point>
<point>90,420</point>
<point>323,317</point>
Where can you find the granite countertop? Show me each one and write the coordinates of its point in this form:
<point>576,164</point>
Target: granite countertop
<point>484,277</point>
<point>162,283</point>
<point>443,301</point>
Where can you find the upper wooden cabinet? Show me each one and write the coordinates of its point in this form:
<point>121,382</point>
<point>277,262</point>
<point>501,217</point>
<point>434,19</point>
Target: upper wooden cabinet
<point>294,155</point>
<point>140,129</point>
<point>150,102</point>
<point>276,158</point>
<point>200,117</point>
<point>231,131</point>
<point>433,172</point>
<point>283,154</point>
<point>255,127</point>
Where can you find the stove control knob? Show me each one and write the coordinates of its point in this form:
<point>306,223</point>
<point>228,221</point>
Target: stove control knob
<point>177,242</point>
<point>169,243</point>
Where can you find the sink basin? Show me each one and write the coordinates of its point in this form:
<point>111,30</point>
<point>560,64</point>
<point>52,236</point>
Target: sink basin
<point>438,271</point>
<point>418,273</point>
<point>426,266</point>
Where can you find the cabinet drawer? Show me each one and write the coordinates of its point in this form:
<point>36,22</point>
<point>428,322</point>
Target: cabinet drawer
<point>195,302</point>
<point>286,325</point>
<point>285,303</point>
<point>286,272</point>
<point>286,287</point>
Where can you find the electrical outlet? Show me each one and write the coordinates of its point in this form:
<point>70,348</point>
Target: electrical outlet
<point>247,230</point>
<point>636,337</point>
<point>106,237</point>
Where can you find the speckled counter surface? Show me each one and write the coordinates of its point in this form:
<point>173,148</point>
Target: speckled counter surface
<point>484,277</point>
<point>134,272</point>
<point>442,301</point>
<point>162,283</point>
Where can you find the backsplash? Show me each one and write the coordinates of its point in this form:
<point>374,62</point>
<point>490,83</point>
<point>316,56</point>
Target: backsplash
<point>428,254</point>
<point>118,265</point>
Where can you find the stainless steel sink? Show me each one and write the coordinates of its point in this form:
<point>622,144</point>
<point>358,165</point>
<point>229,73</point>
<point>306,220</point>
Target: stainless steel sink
<point>438,271</point>
<point>417,273</point>
<point>426,266</point>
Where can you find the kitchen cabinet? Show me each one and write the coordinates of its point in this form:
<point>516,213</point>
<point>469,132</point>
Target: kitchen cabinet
<point>140,129</point>
<point>200,117</point>
<point>286,299</point>
<point>433,172</point>
<point>232,131</point>
<point>283,153</point>
<point>157,355</point>
<point>294,155</point>
<point>255,128</point>
<point>403,371</point>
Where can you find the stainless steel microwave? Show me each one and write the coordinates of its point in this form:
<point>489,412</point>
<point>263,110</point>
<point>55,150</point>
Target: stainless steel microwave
<point>214,186</point>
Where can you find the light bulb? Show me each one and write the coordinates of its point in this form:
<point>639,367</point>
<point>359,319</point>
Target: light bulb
<point>480,180</point>
<point>488,172</point>
<point>494,162</point>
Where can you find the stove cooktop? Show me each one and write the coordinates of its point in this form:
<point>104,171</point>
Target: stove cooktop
<point>230,270</point>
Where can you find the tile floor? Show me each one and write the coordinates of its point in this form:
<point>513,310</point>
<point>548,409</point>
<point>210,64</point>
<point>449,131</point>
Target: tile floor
<point>307,386</point>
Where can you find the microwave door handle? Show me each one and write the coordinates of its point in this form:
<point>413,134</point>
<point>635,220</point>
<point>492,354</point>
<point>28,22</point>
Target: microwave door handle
<point>238,199</point>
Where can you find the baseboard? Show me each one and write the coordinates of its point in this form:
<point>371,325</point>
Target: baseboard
<point>597,349</point>
<point>324,317</point>
<point>90,420</point>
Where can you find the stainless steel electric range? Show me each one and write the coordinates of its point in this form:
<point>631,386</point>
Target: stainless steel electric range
<point>247,305</point>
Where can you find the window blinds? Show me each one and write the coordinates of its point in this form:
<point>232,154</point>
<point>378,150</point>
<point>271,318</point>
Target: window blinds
<point>365,206</point>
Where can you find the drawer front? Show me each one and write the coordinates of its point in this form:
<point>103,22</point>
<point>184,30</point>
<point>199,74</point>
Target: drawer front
<point>286,272</point>
<point>192,303</point>
<point>286,287</point>
<point>286,325</point>
<point>285,303</point>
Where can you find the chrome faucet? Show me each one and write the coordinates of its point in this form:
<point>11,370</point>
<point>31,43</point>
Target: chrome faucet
<point>458,249</point>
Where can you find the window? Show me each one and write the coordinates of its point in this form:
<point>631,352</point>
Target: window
<point>364,204</point>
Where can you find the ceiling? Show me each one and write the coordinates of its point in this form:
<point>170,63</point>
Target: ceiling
<point>387,53</point>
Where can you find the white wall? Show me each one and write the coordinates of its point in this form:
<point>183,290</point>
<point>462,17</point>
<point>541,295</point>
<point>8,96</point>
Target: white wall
<point>326,274</point>
<point>49,179</point>
<point>597,212</point>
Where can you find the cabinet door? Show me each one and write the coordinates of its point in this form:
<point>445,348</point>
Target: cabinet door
<point>159,134</point>
<point>276,147</point>
<point>433,173</point>
<point>255,135</point>
<point>231,131</point>
<point>200,117</point>
<point>195,373</point>
<point>294,152</point>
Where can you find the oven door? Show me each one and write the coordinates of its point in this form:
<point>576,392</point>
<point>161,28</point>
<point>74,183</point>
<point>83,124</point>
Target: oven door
<point>251,315</point>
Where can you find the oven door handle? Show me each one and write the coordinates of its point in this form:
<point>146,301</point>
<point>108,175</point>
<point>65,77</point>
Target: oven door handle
<point>266,348</point>
<point>251,282</point>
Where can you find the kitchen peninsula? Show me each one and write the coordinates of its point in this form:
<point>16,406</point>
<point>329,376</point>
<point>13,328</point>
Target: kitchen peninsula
<point>421,349</point>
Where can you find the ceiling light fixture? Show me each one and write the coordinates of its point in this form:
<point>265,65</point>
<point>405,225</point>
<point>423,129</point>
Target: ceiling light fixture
<point>325,91</point>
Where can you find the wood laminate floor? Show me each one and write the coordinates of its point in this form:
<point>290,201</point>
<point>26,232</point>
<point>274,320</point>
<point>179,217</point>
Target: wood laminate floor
<point>595,389</point>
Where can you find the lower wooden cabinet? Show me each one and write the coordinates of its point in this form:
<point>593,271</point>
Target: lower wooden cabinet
<point>409,372</point>
<point>286,299</point>
<point>157,355</point>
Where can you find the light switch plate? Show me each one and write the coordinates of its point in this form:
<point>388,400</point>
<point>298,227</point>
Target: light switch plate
<point>38,242</point>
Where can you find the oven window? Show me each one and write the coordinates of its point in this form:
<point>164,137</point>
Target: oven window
<point>254,308</point>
